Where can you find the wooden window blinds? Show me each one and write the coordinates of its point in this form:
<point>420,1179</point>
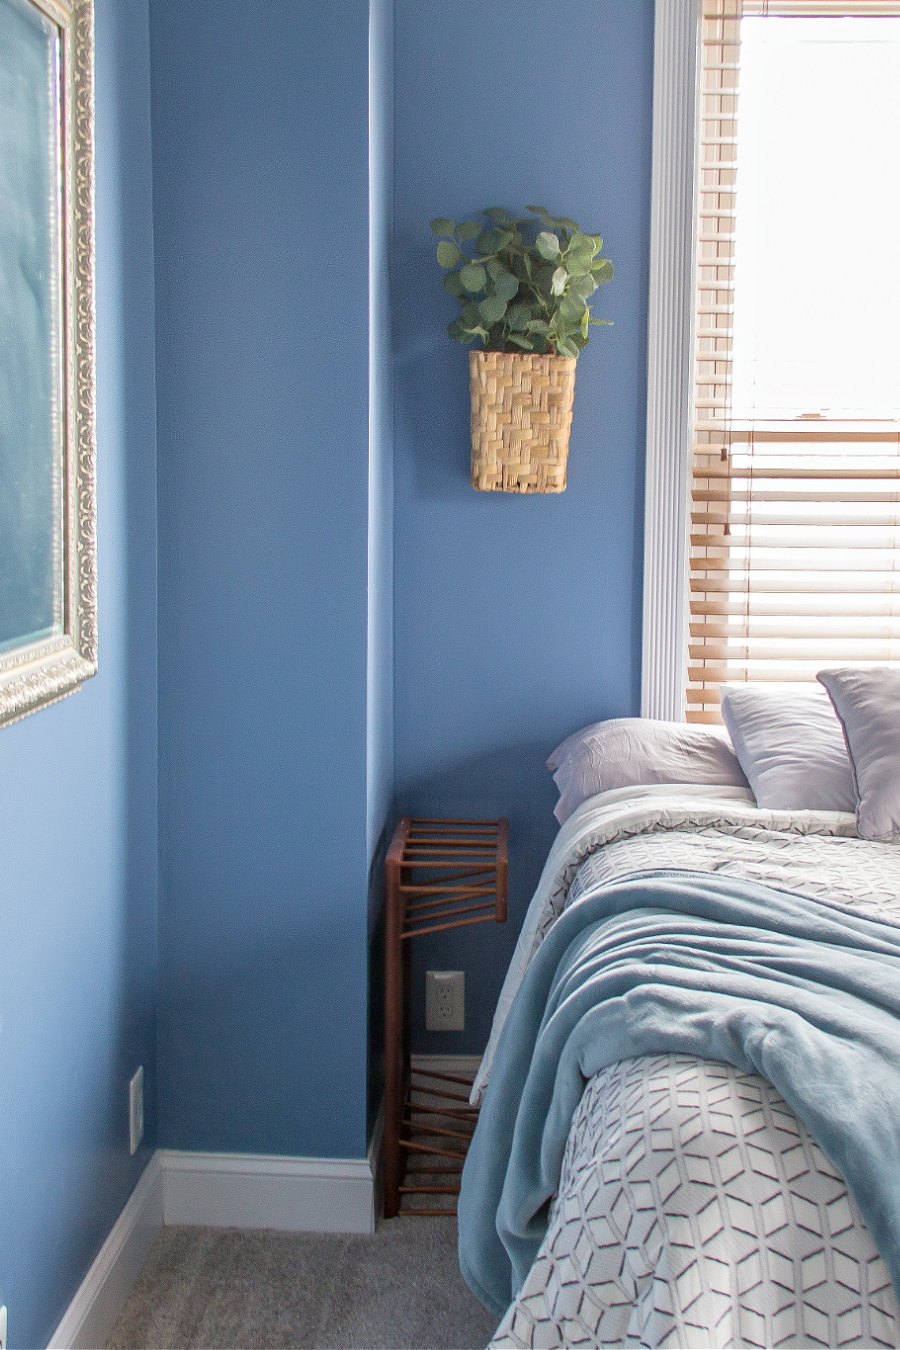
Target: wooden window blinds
<point>795,524</point>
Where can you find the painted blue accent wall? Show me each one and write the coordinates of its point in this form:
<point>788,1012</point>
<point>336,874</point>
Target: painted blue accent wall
<point>78,793</point>
<point>340,616</point>
<point>517,618</point>
<point>261,211</point>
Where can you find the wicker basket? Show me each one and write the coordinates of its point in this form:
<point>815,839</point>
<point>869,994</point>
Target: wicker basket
<point>521,415</point>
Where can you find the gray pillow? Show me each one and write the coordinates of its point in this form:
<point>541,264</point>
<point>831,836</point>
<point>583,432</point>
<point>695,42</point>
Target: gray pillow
<point>791,747</point>
<point>631,751</point>
<point>868,704</point>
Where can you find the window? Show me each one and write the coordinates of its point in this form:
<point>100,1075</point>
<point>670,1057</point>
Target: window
<point>794,452</point>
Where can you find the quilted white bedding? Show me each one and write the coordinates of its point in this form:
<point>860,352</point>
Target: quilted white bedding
<point>694,1208</point>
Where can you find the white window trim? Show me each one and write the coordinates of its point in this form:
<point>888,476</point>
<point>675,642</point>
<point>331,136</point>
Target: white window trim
<point>669,361</point>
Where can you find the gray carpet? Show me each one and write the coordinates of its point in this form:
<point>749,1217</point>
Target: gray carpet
<point>240,1290</point>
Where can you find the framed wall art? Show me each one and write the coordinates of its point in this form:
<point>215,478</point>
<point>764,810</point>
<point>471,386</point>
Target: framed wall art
<point>48,514</point>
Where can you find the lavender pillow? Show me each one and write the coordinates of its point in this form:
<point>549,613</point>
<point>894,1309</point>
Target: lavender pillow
<point>631,751</point>
<point>868,703</point>
<point>791,747</point>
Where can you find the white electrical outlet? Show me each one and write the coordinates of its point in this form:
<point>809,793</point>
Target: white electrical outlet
<point>136,1110</point>
<point>445,1000</point>
<point>3,1327</point>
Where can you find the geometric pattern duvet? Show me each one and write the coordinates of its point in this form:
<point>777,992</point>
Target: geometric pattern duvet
<point>695,1209</point>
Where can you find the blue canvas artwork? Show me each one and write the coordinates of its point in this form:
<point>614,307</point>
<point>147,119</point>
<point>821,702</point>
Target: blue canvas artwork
<point>31,362</point>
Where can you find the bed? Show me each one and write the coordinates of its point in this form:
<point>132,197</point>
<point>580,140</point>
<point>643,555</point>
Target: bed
<point>690,1126</point>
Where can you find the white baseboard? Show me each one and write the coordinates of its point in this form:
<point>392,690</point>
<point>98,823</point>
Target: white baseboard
<point>244,1190</point>
<point>465,1065</point>
<point>222,1190</point>
<point>93,1311</point>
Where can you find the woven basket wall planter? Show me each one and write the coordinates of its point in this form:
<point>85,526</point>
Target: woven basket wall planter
<point>521,416</point>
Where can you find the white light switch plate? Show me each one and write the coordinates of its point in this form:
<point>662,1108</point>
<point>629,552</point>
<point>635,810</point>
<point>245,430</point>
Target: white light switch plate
<point>3,1327</point>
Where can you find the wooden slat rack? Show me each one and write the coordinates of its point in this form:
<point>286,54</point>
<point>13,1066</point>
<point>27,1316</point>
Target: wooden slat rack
<point>440,874</point>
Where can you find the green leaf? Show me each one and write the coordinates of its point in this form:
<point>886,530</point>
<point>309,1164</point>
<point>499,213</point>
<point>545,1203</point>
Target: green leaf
<point>581,249</point>
<point>495,268</point>
<point>571,310</point>
<point>602,323</point>
<point>584,286</point>
<point>585,320</point>
<point>547,245</point>
<point>506,286</point>
<point>469,229</point>
<point>492,241</point>
<point>577,264</point>
<point>538,326</point>
<point>496,213</point>
<point>537,210</point>
<point>602,270</point>
<point>471,315</point>
<point>453,285</point>
<point>521,342</point>
<point>518,317</point>
<point>558,284</point>
<point>457,330</point>
<point>582,243</point>
<point>492,309</point>
<point>448,254</point>
<point>442,226</point>
<point>566,224</point>
<point>473,277</point>
<point>566,348</point>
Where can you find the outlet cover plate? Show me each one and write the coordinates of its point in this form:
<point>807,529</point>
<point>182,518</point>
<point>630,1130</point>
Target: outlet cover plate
<point>136,1110</point>
<point>445,1000</point>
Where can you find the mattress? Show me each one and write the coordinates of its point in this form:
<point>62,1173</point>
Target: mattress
<point>694,1208</point>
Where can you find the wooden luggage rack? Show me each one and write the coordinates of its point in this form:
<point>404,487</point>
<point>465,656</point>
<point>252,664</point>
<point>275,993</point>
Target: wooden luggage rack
<point>439,874</point>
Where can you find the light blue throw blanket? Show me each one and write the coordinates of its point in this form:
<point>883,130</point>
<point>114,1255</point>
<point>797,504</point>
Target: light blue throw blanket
<point>689,963</point>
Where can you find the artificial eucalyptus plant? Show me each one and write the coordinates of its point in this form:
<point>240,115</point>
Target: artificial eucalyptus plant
<point>528,286</point>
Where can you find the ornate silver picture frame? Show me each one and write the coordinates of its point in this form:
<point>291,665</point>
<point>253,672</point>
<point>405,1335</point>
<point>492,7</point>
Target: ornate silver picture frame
<point>48,509</point>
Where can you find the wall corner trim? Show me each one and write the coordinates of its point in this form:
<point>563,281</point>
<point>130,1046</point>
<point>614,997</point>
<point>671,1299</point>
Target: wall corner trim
<point>222,1190</point>
<point>91,1316</point>
<point>669,348</point>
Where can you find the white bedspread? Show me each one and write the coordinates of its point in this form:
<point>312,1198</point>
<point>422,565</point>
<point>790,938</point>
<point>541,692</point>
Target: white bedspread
<point>694,1208</point>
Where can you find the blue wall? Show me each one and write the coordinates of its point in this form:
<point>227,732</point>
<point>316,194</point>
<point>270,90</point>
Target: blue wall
<point>517,619</point>
<point>339,612</point>
<point>260,155</point>
<point>78,793</point>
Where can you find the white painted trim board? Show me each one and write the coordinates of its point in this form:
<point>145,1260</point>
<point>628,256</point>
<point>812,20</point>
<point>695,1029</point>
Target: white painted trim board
<point>295,1195</point>
<point>461,1064</point>
<point>669,356</point>
<point>92,1314</point>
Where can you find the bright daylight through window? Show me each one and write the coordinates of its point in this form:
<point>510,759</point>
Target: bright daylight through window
<point>795,513</point>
